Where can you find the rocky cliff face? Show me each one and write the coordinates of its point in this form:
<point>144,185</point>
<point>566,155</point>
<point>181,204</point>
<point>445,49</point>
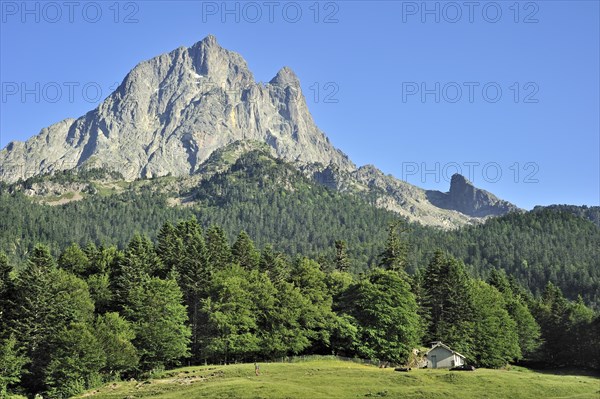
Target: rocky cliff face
<point>171,113</point>
<point>387,192</point>
<point>469,200</point>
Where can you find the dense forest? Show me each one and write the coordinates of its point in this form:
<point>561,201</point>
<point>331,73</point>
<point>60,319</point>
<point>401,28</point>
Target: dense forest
<point>277,205</point>
<point>99,313</point>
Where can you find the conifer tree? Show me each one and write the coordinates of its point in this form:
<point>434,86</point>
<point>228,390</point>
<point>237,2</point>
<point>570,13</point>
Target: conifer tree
<point>47,300</point>
<point>244,252</point>
<point>31,312</point>
<point>138,261</point>
<point>342,262</point>
<point>74,260</point>
<point>273,264</point>
<point>6,292</point>
<point>194,275</point>
<point>448,302</point>
<point>218,250</point>
<point>394,257</point>
<point>169,246</point>
<point>11,365</point>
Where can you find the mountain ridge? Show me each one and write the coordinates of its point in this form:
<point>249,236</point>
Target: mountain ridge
<point>176,109</point>
<point>464,197</point>
<point>171,112</point>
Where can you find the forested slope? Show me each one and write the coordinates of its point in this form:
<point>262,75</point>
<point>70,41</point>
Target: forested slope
<point>275,204</point>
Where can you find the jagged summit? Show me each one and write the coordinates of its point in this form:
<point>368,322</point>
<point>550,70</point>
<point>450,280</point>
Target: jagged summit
<point>457,181</point>
<point>209,40</point>
<point>286,77</point>
<point>465,198</point>
<point>172,112</point>
<point>223,66</point>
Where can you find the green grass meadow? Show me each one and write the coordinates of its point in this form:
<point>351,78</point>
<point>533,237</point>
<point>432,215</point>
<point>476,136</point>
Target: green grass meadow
<point>343,379</point>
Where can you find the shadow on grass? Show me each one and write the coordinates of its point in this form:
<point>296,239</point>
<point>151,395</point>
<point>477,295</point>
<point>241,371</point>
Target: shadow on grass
<point>569,371</point>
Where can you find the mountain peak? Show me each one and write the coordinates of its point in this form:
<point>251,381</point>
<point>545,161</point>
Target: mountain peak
<point>465,198</point>
<point>223,67</point>
<point>285,77</point>
<point>171,113</point>
<point>458,183</point>
<point>210,40</point>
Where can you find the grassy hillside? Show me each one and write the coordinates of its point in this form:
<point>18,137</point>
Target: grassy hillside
<point>341,379</point>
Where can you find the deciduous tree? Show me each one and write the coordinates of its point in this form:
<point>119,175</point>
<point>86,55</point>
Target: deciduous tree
<point>159,319</point>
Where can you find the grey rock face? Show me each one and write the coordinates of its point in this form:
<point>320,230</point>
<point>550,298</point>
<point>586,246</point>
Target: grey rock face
<point>469,200</point>
<point>171,112</point>
<point>185,112</point>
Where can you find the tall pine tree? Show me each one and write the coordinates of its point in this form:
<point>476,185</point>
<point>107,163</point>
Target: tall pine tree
<point>448,302</point>
<point>218,250</point>
<point>194,275</point>
<point>395,254</point>
<point>244,252</point>
<point>342,262</point>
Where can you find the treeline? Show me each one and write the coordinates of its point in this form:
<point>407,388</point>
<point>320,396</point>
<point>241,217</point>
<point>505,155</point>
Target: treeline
<point>537,247</point>
<point>591,213</point>
<point>100,314</point>
<point>296,217</point>
<point>276,205</point>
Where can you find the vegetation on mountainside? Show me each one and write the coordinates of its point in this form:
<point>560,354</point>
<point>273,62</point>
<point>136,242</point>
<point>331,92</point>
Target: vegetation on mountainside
<point>276,205</point>
<point>100,313</point>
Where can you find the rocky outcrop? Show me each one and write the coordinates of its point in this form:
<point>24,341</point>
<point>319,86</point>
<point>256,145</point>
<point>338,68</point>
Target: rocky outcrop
<point>190,113</point>
<point>385,191</point>
<point>171,112</point>
<point>465,198</point>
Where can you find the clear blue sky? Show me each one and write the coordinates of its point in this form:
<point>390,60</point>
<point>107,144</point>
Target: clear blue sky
<point>374,58</point>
